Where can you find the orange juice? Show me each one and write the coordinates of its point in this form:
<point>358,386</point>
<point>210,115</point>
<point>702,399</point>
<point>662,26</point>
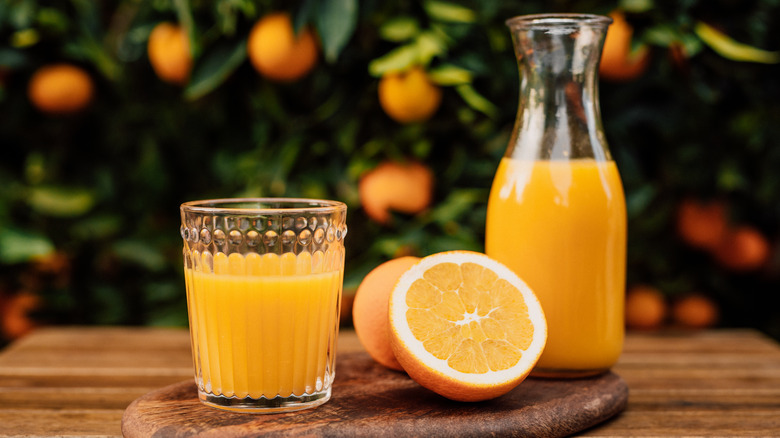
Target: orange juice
<point>263,326</point>
<point>561,226</point>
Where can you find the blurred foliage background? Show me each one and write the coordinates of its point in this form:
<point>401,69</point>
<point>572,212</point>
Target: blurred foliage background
<point>89,196</point>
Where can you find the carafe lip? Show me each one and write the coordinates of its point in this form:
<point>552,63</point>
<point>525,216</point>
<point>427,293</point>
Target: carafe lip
<point>557,20</point>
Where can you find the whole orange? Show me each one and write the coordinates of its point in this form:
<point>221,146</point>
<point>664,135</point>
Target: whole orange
<point>743,249</point>
<point>393,186</point>
<point>695,311</point>
<point>277,53</point>
<point>169,53</point>
<point>369,310</point>
<point>60,89</point>
<point>618,63</point>
<point>15,319</point>
<point>409,96</point>
<point>645,307</point>
<point>702,224</point>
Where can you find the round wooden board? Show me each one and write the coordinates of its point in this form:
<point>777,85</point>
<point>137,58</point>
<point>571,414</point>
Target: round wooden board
<point>370,400</point>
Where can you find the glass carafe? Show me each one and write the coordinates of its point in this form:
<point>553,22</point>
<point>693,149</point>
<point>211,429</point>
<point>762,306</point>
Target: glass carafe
<point>556,213</point>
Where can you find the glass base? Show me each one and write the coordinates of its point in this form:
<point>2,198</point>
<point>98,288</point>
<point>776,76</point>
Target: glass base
<point>264,405</point>
<point>562,373</point>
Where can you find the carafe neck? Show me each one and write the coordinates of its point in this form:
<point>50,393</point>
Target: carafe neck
<point>558,116</point>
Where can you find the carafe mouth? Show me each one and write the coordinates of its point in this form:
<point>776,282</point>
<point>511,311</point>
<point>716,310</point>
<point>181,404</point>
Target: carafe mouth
<point>557,21</point>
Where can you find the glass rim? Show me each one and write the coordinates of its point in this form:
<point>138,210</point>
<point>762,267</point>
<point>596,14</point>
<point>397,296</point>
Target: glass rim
<point>263,206</point>
<point>544,21</point>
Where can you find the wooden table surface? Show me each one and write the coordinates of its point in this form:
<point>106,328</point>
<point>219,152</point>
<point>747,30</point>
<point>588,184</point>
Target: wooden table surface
<point>75,381</point>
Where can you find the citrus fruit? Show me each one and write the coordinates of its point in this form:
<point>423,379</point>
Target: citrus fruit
<point>465,326</point>
<point>169,53</point>
<point>277,53</point>
<point>702,224</point>
<point>393,186</point>
<point>618,62</point>
<point>60,89</point>
<point>743,249</point>
<point>15,319</point>
<point>645,307</point>
<point>695,311</point>
<point>369,310</point>
<point>409,96</point>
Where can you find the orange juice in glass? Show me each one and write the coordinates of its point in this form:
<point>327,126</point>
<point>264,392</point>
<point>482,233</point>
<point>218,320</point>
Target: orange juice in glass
<point>556,213</point>
<point>263,279</point>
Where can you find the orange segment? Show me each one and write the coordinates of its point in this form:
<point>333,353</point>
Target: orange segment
<point>469,358</point>
<point>423,295</point>
<point>465,326</point>
<point>426,324</point>
<point>446,276</point>
<point>500,354</point>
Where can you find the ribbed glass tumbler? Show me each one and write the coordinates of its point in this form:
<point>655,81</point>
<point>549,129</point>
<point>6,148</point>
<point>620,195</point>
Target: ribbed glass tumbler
<point>264,279</point>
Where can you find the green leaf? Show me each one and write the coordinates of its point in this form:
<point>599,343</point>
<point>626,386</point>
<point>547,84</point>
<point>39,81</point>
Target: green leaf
<point>11,58</point>
<point>90,49</point>
<point>184,15</point>
<point>336,21</point>
<point>140,253</point>
<point>52,19</point>
<point>636,6</point>
<point>456,205</point>
<point>731,49</point>
<point>399,29</point>
<point>97,227</point>
<point>448,74</point>
<point>476,100</point>
<point>429,45</point>
<point>20,245</point>
<point>88,13</point>
<point>637,201</point>
<point>662,34</point>
<point>445,11</point>
<point>398,59</point>
<point>60,201</point>
<point>216,66</point>
<point>304,15</point>
<point>25,38</point>
<point>20,14</point>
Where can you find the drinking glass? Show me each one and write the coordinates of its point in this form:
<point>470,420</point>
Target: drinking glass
<point>263,279</point>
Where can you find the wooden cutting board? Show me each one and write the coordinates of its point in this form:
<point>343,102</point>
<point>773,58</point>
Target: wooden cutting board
<point>370,400</point>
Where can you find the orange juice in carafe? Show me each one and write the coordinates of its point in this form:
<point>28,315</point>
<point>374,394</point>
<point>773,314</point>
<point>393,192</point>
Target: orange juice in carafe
<point>556,213</point>
<point>560,225</point>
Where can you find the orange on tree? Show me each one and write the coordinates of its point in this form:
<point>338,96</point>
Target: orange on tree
<point>369,310</point>
<point>702,224</point>
<point>169,53</point>
<point>409,96</point>
<point>646,307</point>
<point>60,89</point>
<point>277,53</point>
<point>743,248</point>
<point>15,319</point>
<point>465,326</point>
<point>394,186</point>
<point>695,311</point>
<point>618,61</point>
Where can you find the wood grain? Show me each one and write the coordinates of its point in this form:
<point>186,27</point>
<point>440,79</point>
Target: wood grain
<point>77,381</point>
<point>370,400</point>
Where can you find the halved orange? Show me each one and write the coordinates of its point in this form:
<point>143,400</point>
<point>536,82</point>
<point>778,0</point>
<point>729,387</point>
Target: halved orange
<point>465,326</point>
